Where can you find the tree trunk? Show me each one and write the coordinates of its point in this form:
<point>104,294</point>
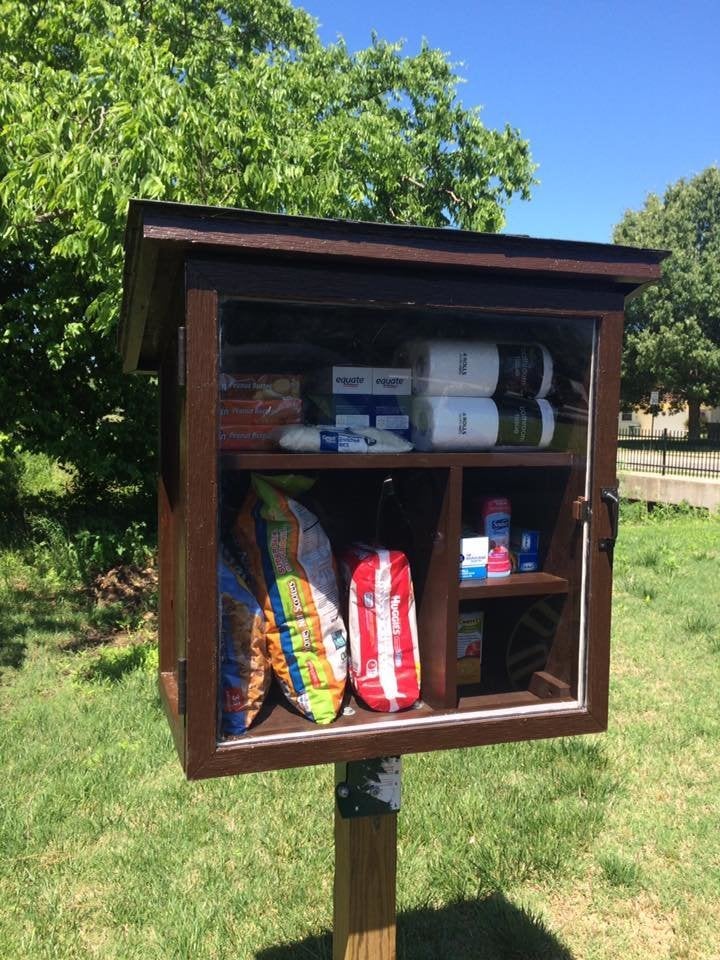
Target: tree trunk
<point>693,419</point>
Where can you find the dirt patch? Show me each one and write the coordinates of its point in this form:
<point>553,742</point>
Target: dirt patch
<point>122,604</point>
<point>127,584</point>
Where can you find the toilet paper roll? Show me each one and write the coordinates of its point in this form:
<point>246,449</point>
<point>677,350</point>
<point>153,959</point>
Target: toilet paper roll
<point>478,368</point>
<point>480,423</point>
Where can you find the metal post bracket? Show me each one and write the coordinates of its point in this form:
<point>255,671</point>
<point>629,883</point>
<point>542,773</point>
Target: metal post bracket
<point>369,788</point>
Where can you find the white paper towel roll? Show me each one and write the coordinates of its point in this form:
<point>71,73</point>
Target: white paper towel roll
<point>454,423</point>
<point>480,423</point>
<point>478,368</point>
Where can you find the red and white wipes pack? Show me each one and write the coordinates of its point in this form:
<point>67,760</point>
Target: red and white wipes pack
<point>384,657</point>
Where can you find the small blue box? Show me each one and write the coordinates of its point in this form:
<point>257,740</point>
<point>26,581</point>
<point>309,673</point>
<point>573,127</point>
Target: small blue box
<point>525,547</point>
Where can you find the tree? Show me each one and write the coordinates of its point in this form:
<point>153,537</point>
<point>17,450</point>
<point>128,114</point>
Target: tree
<point>237,104</point>
<point>672,333</point>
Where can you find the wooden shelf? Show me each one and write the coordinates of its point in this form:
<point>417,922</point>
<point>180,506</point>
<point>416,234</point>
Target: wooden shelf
<point>252,460</point>
<point>516,585</point>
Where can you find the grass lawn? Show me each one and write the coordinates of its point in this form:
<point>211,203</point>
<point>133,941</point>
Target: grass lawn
<point>596,848</point>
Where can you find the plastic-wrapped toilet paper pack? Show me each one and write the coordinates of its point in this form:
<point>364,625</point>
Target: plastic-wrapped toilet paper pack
<point>480,423</point>
<point>478,368</point>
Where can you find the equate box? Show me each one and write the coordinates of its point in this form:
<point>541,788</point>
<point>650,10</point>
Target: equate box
<point>391,413</point>
<point>392,381</point>
<point>341,411</point>
<point>348,381</point>
<point>469,645</point>
<point>474,558</point>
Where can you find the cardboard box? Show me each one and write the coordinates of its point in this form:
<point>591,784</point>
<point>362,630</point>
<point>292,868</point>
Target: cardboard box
<point>524,549</point>
<point>391,413</point>
<point>469,646</point>
<point>234,412</point>
<point>345,381</point>
<point>391,381</point>
<point>252,437</point>
<point>474,558</point>
<point>341,411</point>
<point>260,386</point>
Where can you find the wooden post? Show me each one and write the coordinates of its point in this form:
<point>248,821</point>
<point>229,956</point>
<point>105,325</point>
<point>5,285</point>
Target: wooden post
<point>365,871</point>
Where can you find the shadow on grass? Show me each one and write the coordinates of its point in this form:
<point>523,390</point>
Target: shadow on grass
<point>24,612</point>
<point>489,929</point>
<point>113,664</point>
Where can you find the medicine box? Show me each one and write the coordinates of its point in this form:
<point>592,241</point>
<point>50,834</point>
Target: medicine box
<point>392,381</point>
<point>347,381</point>
<point>473,558</point>
<point>525,547</point>
<point>341,411</point>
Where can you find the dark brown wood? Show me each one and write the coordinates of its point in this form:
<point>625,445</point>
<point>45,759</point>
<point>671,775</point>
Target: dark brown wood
<point>389,461</point>
<point>546,686</point>
<point>201,524</point>
<point>364,887</point>
<point>321,746</point>
<point>516,585</point>
<point>171,556</point>
<point>607,402</point>
<point>222,228</point>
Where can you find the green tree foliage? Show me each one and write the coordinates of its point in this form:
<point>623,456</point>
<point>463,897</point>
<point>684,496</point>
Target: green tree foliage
<point>236,104</point>
<point>672,334</point>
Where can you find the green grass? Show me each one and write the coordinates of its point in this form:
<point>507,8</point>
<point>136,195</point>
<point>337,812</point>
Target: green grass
<point>594,848</point>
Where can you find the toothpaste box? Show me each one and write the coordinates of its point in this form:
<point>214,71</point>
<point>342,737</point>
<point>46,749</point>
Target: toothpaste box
<point>347,381</point>
<point>525,549</point>
<point>341,411</point>
<point>391,381</point>
<point>391,413</point>
<point>474,558</point>
<point>469,645</point>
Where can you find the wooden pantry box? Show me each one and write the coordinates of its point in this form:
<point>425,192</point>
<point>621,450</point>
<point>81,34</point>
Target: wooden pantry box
<point>211,292</point>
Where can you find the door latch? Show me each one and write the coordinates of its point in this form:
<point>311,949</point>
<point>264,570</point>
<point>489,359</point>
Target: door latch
<point>611,496</point>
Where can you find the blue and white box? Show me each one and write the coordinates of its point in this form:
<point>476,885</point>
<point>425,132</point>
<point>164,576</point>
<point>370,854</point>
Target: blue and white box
<point>392,381</point>
<point>474,558</point>
<point>525,549</point>
<point>347,381</point>
<point>341,411</point>
<point>392,413</point>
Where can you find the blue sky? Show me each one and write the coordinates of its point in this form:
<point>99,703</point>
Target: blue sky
<point>616,99</point>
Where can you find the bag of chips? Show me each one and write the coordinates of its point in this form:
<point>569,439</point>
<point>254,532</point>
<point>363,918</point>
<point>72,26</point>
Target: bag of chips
<point>244,665</point>
<point>293,573</point>
<point>384,655</point>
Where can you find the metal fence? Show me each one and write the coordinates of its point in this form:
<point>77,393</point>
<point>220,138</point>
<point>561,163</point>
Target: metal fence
<point>668,452</point>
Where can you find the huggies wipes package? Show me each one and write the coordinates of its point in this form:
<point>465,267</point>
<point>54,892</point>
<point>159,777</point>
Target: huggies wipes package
<point>384,655</point>
<point>291,564</point>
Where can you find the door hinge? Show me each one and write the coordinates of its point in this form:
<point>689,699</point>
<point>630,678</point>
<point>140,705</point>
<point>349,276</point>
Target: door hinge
<point>182,686</point>
<point>582,511</point>
<point>181,353</point>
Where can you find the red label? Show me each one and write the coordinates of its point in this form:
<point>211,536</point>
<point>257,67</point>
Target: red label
<point>314,678</point>
<point>233,700</point>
